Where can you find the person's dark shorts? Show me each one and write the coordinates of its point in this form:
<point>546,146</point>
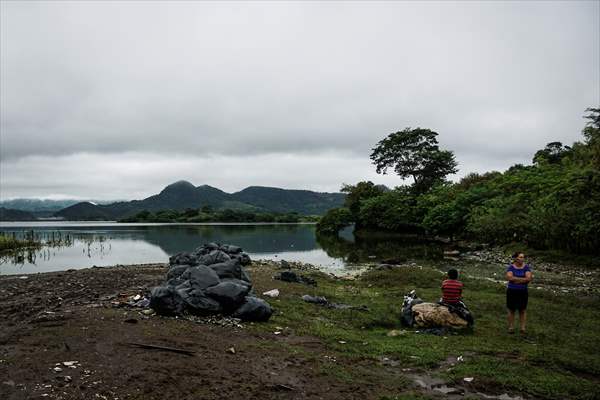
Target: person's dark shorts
<point>516,299</point>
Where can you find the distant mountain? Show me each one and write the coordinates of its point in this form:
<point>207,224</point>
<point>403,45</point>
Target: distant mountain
<point>182,195</point>
<point>37,205</point>
<point>84,211</point>
<point>8,214</point>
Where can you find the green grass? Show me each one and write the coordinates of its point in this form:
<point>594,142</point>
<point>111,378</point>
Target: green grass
<point>560,359</point>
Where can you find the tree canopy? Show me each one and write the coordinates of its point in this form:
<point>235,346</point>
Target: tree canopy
<point>552,204</point>
<point>414,153</point>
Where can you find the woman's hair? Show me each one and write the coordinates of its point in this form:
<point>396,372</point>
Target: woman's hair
<point>515,255</point>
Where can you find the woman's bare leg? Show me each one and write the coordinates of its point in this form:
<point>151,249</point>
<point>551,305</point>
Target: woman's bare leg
<point>522,319</point>
<point>511,320</point>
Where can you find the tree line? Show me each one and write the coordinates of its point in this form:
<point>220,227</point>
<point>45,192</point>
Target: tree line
<point>208,214</point>
<point>554,203</point>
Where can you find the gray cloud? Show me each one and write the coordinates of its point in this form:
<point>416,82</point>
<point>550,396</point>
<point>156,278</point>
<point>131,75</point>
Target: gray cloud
<point>274,81</point>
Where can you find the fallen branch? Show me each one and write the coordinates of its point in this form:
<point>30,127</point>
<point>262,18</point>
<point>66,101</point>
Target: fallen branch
<point>154,347</point>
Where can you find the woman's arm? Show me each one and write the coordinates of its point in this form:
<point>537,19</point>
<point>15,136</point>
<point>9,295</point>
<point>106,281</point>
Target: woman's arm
<point>511,278</point>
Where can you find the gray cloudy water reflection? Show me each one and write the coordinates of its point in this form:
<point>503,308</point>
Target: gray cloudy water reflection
<point>88,244</point>
<point>105,244</point>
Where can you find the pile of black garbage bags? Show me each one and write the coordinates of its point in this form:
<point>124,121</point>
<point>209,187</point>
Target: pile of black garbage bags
<point>211,280</point>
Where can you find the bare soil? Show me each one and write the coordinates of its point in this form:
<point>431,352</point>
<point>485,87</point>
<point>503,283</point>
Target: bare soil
<point>66,335</point>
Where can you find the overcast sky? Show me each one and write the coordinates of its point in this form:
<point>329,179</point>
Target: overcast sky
<point>115,100</point>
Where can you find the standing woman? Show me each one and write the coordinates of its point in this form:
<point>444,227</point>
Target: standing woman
<point>518,275</point>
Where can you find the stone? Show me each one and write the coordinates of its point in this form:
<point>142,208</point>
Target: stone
<point>431,315</point>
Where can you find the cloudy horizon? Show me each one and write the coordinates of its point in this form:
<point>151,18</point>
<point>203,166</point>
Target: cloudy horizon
<point>115,100</point>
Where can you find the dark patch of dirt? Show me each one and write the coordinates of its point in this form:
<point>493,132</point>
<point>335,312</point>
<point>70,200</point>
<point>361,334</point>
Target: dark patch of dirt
<point>74,317</point>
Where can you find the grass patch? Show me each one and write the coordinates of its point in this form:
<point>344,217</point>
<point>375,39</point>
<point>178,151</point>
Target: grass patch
<point>560,358</point>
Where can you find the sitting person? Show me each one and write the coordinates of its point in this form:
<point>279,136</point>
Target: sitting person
<point>452,296</point>
<point>452,288</point>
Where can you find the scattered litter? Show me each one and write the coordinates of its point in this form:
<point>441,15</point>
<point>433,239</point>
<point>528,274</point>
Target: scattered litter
<point>272,293</point>
<point>231,350</point>
<point>396,332</point>
<point>277,333</point>
<point>459,359</point>
<point>57,369</point>
<point>324,302</point>
<point>341,342</point>
<point>70,364</point>
<point>469,379</point>
<point>290,276</point>
<point>137,297</point>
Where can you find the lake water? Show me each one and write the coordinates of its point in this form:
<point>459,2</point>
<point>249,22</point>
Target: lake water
<point>87,244</point>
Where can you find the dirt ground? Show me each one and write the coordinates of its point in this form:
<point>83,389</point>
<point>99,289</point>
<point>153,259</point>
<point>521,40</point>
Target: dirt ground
<point>66,335</point>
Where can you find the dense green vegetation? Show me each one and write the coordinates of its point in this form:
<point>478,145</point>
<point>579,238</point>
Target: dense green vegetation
<point>559,358</point>
<point>207,214</point>
<point>552,204</point>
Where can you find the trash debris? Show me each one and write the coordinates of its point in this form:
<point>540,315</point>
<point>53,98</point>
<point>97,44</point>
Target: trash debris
<point>209,281</point>
<point>290,276</point>
<point>272,293</point>
<point>468,379</point>
<point>396,332</point>
<point>70,364</point>
<point>231,350</point>
<point>324,302</point>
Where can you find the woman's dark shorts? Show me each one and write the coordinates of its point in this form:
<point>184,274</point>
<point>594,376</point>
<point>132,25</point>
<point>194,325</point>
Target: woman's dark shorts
<point>516,299</point>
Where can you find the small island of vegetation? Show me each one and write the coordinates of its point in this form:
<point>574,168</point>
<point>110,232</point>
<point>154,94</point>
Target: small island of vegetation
<point>206,214</point>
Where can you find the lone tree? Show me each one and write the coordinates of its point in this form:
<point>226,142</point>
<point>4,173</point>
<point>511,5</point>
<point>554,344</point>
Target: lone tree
<point>414,153</point>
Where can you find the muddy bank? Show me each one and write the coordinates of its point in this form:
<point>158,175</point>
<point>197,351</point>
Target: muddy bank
<point>68,335</point>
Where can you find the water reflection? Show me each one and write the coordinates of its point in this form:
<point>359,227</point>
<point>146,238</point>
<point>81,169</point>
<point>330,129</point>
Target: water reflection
<point>79,246</point>
<point>370,247</point>
<point>83,245</point>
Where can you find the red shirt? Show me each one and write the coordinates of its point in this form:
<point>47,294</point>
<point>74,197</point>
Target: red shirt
<point>451,291</point>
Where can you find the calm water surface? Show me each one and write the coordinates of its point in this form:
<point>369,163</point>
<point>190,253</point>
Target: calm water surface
<point>85,244</point>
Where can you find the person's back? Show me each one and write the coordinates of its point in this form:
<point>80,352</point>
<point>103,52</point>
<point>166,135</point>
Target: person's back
<point>452,288</point>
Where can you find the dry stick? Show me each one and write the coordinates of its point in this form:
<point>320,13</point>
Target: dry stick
<point>154,347</point>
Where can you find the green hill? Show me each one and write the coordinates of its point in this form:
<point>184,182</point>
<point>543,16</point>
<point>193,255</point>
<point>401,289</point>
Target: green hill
<point>183,195</point>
